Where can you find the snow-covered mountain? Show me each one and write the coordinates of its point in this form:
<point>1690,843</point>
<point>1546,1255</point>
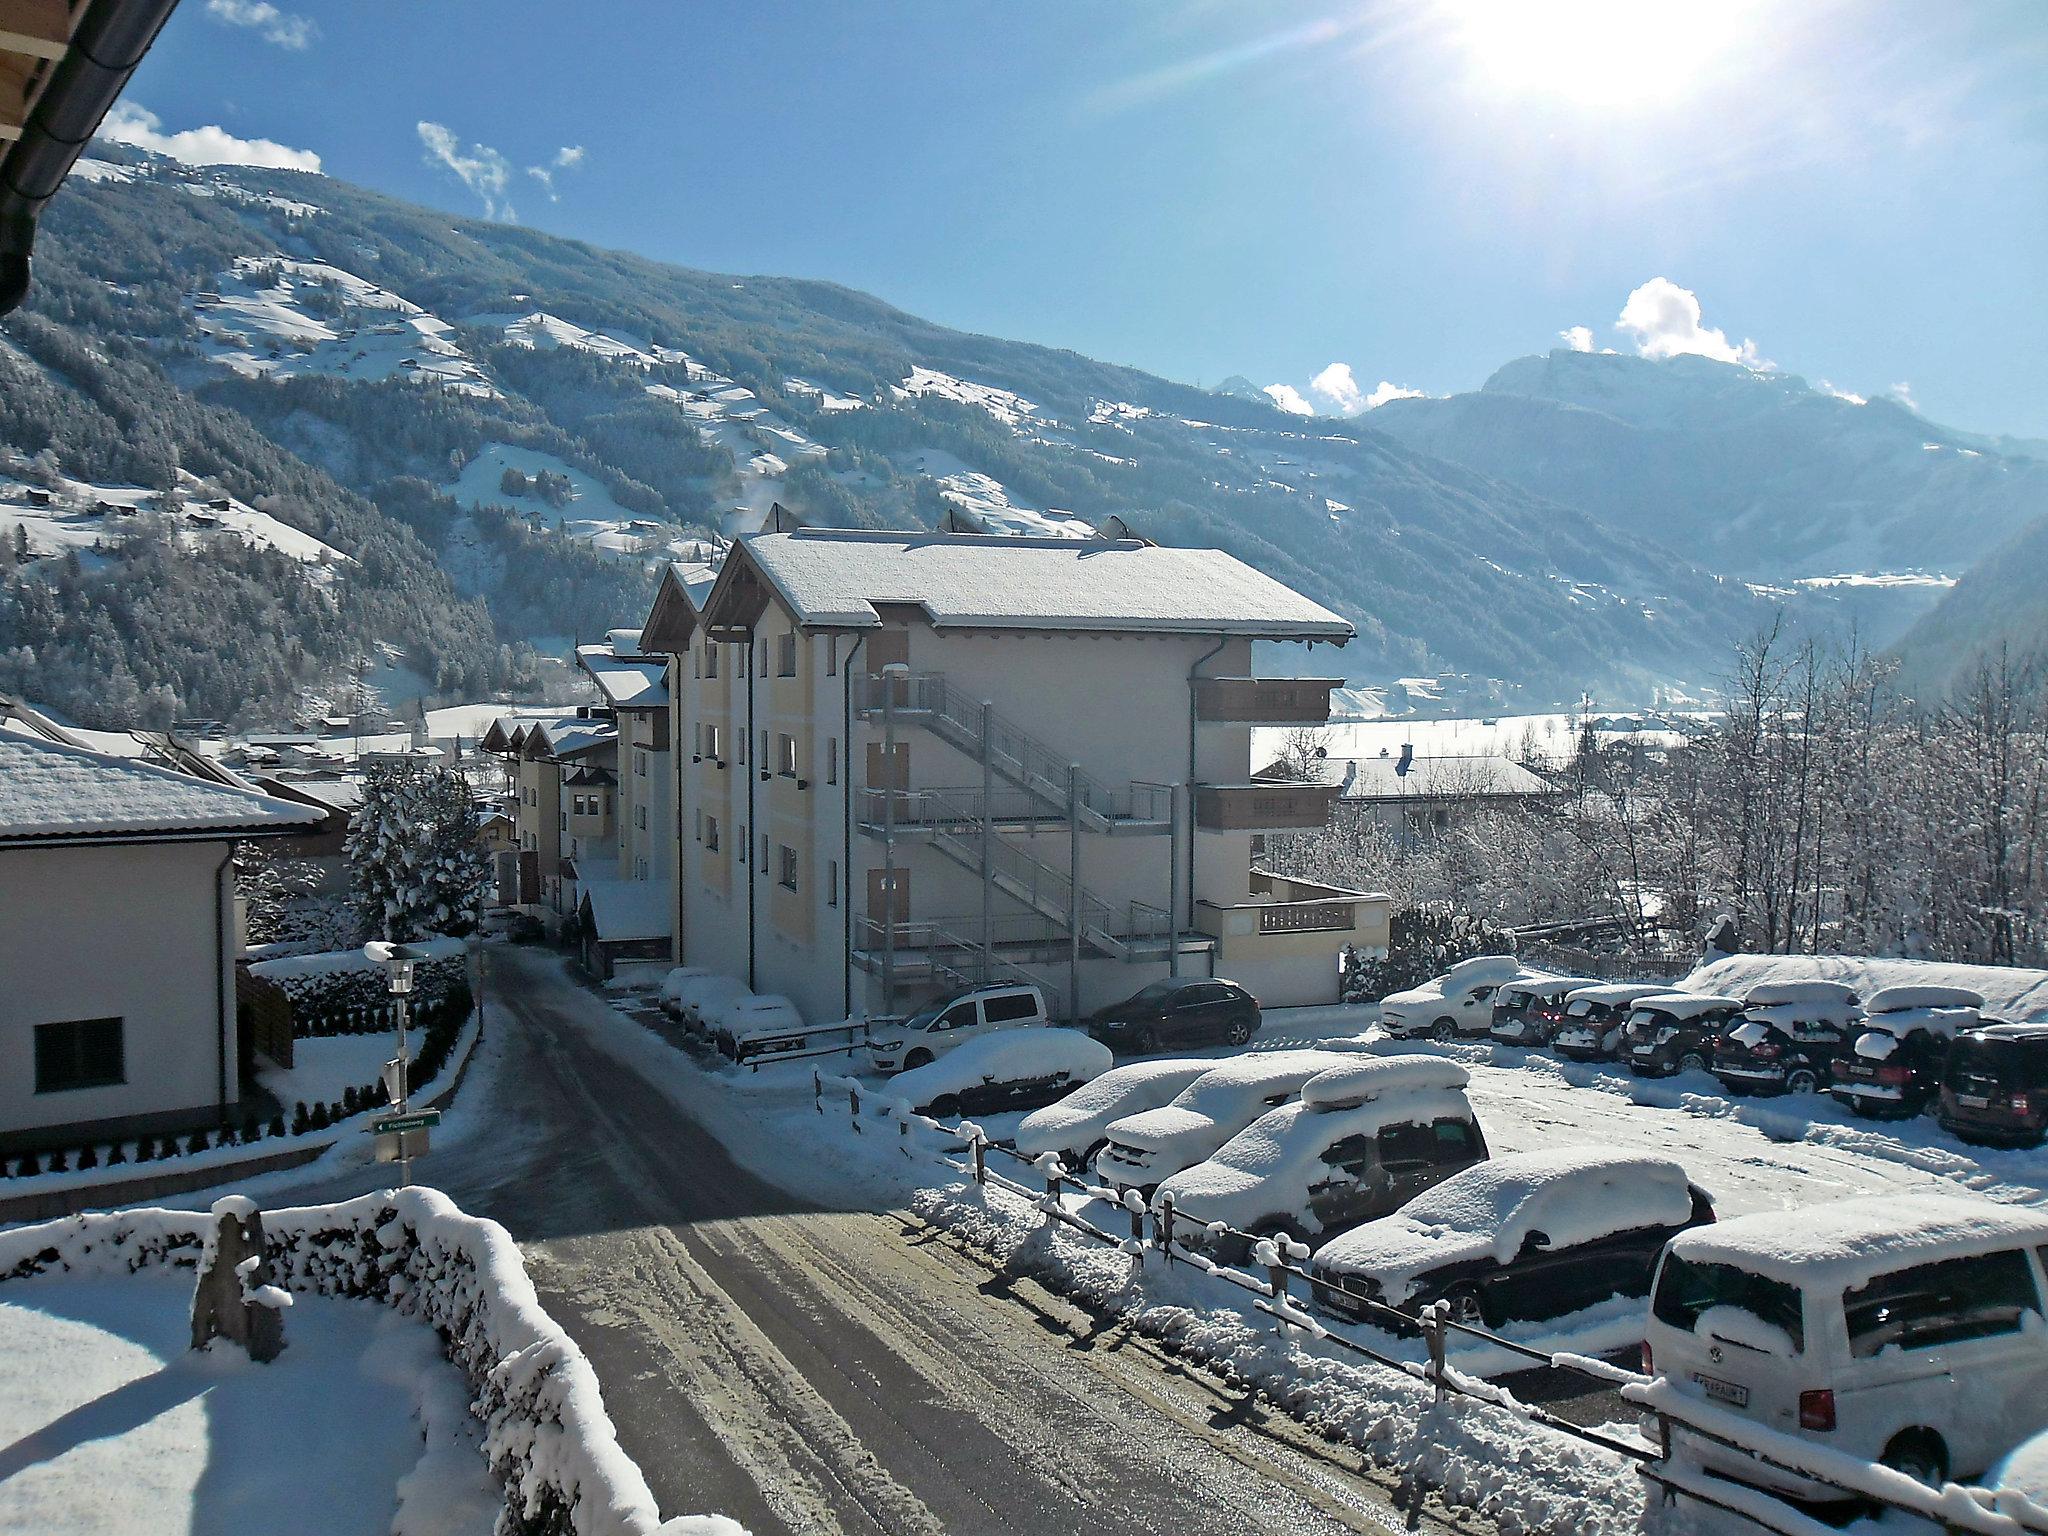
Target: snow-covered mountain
<point>1754,474</point>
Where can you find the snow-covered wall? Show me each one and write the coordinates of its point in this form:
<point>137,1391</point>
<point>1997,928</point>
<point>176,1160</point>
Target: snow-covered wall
<point>548,1437</point>
<point>2009,992</point>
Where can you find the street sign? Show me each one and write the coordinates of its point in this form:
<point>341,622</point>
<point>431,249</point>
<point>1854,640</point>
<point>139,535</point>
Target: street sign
<point>402,1146</point>
<point>414,1120</point>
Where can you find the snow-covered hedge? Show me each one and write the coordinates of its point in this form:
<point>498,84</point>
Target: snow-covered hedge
<point>329,989</point>
<point>548,1437</point>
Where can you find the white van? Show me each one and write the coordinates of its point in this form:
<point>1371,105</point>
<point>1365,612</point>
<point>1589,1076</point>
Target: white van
<point>1909,1330</point>
<point>927,1035</point>
<point>1456,1005</point>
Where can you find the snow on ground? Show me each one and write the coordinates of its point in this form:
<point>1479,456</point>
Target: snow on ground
<point>827,401</point>
<point>73,520</point>
<point>1552,734</point>
<point>259,320</point>
<point>542,332</point>
<point>986,500</point>
<point>324,1066</point>
<point>591,514</point>
<point>1879,579</point>
<point>110,1422</point>
<point>1007,408</point>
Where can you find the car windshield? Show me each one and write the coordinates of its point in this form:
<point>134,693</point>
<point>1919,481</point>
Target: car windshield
<point>1158,992</point>
<point>2011,1060</point>
<point>1686,1290</point>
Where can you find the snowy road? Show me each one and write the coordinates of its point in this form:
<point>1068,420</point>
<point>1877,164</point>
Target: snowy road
<point>810,1370</point>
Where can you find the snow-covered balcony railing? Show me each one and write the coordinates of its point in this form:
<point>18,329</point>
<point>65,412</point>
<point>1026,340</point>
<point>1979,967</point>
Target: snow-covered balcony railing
<point>1264,805</point>
<point>1265,700</point>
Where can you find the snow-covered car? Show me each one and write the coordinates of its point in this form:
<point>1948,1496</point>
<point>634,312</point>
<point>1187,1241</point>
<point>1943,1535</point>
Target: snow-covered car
<point>1594,1016</point>
<point>1011,1069</point>
<point>750,1015</point>
<point>1994,1087</point>
<point>1788,1038</point>
<point>1905,1329</point>
<point>1893,1068</point>
<point>1362,1140</point>
<point>1077,1127</point>
<point>1457,1004</point>
<point>1531,1235</point>
<point>1530,1011</point>
<point>1675,1032</point>
<point>1157,1143</point>
<point>952,1021</point>
<point>680,983</point>
<point>698,998</point>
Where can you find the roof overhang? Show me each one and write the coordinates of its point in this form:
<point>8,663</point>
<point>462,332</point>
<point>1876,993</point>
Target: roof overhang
<point>672,621</point>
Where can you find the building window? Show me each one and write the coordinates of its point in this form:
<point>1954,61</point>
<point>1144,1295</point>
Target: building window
<point>700,826</point>
<point>764,759</point>
<point>761,659</point>
<point>785,654</point>
<point>640,869</point>
<point>79,1053</point>
<point>743,748</point>
<point>710,834</point>
<point>640,816</point>
<point>786,877</point>
<point>743,845</point>
<point>764,853</point>
<point>832,883</point>
<point>832,760</point>
<point>640,762</point>
<point>709,745</point>
<point>831,655</point>
<point>710,658</point>
<point>785,755</point>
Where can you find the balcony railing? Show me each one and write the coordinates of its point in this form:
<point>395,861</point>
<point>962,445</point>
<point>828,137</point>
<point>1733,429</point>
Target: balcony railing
<point>1265,700</point>
<point>1263,806</point>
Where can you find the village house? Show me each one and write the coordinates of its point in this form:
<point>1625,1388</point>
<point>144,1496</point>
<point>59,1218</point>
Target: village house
<point>626,912</point>
<point>560,775</point>
<point>1417,798</point>
<point>104,856</point>
<point>909,761</point>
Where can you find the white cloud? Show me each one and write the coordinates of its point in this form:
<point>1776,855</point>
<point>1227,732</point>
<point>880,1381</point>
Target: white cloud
<point>1665,320</point>
<point>1578,337</point>
<point>275,26</point>
<point>1840,394</point>
<point>483,170</point>
<point>1903,393</point>
<point>1290,400</point>
<point>140,128</point>
<point>1388,391</point>
<point>567,158</point>
<point>1337,385</point>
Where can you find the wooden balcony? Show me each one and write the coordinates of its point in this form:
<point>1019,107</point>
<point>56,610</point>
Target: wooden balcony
<point>1263,806</point>
<point>1265,700</point>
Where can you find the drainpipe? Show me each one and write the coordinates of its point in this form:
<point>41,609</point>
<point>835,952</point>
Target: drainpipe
<point>1173,918</point>
<point>222,1019</point>
<point>753,829</point>
<point>846,821</point>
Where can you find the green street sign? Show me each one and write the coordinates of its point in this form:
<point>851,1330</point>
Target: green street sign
<point>417,1120</point>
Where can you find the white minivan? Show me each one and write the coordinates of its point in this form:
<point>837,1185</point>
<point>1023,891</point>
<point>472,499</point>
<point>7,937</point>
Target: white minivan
<point>1909,1330</point>
<point>925,1036</point>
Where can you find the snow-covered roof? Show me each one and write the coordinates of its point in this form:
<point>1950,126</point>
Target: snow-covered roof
<point>631,682</point>
<point>1426,778</point>
<point>622,910</point>
<point>1845,1243</point>
<point>834,578</point>
<point>1913,997</point>
<point>1686,1005</point>
<point>51,791</point>
<point>1544,987</point>
<point>1777,994</point>
<point>1612,992</point>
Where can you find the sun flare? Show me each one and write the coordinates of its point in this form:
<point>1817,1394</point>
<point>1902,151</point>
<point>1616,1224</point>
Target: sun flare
<point>1599,53</point>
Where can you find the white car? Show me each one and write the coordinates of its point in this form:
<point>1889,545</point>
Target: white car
<point>681,982</point>
<point>768,1013</point>
<point>1156,1144</point>
<point>1906,1329</point>
<point>1077,1126</point>
<point>1362,1140</point>
<point>1009,1069</point>
<point>1455,1005</point>
<point>698,998</point>
<point>929,1034</point>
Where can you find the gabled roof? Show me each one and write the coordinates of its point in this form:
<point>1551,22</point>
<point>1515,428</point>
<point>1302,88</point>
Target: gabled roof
<point>50,792</point>
<point>1434,778</point>
<point>678,604</point>
<point>627,682</point>
<point>624,910</point>
<point>833,578</point>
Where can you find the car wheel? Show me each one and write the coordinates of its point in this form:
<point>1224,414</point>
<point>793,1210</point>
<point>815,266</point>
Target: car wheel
<point>1920,1454</point>
<point>1444,1033</point>
<point>1692,1061</point>
<point>1240,1031</point>
<point>917,1058</point>
<point>1144,1041</point>
<point>944,1107</point>
<point>1467,1306</point>
<point>1802,1081</point>
<point>1093,1151</point>
<point>1863,1111</point>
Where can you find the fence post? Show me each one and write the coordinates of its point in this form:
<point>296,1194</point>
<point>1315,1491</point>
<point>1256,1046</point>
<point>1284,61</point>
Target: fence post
<point>1137,1210</point>
<point>1162,1218</point>
<point>818,1090</point>
<point>1432,1320</point>
<point>1052,1191</point>
<point>1276,1272</point>
<point>853,1108</point>
<point>980,1157</point>
<point>903,1134</point>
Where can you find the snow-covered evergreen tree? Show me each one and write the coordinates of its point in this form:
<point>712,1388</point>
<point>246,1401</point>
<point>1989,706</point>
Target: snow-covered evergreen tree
<point>417,868</point>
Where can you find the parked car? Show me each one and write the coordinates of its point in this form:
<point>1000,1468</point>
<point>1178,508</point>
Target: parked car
<point>929,1034</point>
<point>1077,1127</point>
<point>1362,1140</point>
<point>1994,1087</point>
<point>1788,1037</point>
<point>1181,1011</point>
<point>1594,1017</point>
<point>679,983</point>
<point>767,1013</point>
<point>1529,1011</point>
<point>1906,1329</point>
<point>1893,1068</point>
<point>700,998</point>
<point>1675,1032</point>
<point>1002,1070</point>
<point>1530,1236</point>
<point>1457,1004</point>
<point>1157,1143</point>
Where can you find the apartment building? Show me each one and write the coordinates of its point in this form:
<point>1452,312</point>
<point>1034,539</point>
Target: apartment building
<point>561,775</point>
<point>626,908</point>
<point>907,761</point>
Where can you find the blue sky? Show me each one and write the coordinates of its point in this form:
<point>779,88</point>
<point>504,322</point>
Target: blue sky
<point>1853,190</point>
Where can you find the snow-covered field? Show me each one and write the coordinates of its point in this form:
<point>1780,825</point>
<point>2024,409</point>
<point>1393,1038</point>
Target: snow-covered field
<point>110,1422</point>
<point>590,515</point>
<point>324,1067</point>
<point>80,515</point>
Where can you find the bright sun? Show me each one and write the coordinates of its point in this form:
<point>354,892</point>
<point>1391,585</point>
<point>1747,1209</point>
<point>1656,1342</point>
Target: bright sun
<point>1599,53</point>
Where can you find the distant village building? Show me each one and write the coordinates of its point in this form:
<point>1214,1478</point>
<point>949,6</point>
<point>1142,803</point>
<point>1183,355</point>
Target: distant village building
<point>1416,798</point>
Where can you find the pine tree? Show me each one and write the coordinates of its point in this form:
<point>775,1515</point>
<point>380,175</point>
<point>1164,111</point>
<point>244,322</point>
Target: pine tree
<point>416,866</point>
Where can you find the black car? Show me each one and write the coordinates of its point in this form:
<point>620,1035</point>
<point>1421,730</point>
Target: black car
<point>1179,1012</point>
<point>1594,1017</point>
<point>1995,1086</point>
<point>1894,1069</point>
<point>1768,1051</point>
<point>1445,1244</point>
<point>1675,1032</point>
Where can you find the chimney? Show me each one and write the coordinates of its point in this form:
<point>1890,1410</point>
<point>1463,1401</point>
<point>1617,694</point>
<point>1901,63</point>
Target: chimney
<point>1406,761</point>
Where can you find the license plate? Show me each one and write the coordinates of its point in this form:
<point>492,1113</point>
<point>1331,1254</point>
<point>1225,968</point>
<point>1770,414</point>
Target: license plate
<point>1722,1391</point>
<point>1973,1101</point>
<point>1646,1050</point>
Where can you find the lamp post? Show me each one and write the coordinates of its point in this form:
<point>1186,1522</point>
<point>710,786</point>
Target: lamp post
<point>398,961</point>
